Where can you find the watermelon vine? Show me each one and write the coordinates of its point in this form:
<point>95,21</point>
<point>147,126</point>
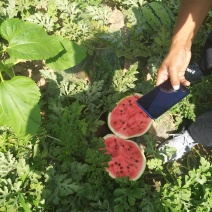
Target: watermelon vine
<point>89,55</point>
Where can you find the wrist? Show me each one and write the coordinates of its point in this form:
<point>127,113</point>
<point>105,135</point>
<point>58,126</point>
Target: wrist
<point>183,43</point>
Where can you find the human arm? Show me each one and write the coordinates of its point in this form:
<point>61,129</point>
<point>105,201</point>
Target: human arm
<point>191,15</point>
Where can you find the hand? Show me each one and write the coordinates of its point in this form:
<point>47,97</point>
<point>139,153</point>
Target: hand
<point>174,67</point>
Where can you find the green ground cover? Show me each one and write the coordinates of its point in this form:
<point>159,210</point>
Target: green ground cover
<point>54,109</point>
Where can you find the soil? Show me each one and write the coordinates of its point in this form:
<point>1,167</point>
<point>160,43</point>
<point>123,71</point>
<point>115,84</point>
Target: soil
<point>31,69</point>
<point>116,20</point>
<point>162,128</point>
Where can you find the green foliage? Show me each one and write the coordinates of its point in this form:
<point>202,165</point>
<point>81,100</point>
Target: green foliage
<point>196,103</point>
<point>202,102</point>
<point>8,163</point>
<point>20,185</point>
<point>126,197</point>
<point>19,109</point>
<point>123,81</point>
<point>185,109</point>
<point>61,167</point>
<point>20,95</point>
<point>126,4</point>
<point>71,55</point>
<point>60,186</point>
<point>28,41</point>
<point>188,192</point>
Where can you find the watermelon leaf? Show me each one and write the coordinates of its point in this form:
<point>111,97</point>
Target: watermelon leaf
<point>78,170</point>
<point>61,186</point>
<point>69,57</point>
<point>28,40</point>
<point>131,200</point>
<point>7,163</point>
<point>137,193</point>
<point>18,105</point>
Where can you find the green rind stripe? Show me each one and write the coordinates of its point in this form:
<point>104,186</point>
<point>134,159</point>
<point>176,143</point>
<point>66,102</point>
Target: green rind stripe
<point>168,12</point>
<point>155,14</point>
<point>147,23</point>
<point>171,17</point>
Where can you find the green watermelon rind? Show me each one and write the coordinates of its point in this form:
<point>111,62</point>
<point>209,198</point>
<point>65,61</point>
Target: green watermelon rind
<point>143,159</point>
<point>155,15</point>
<point>121,135</point>
<point>134,94</point>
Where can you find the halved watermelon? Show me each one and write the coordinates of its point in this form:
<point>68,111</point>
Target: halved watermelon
<point>128,159</point>
<point>127,119</point>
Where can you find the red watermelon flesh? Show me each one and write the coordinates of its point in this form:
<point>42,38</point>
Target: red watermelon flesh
<point>127,119</point>
<point>128,159</point>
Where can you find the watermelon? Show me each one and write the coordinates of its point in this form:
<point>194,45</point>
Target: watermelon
<point>155,15</point>
<point>127,119</point>
<point>127,158</point>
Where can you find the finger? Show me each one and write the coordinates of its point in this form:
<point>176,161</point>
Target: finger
<point>174,77</point>
<point>184,81</point>
<point>162,76</point>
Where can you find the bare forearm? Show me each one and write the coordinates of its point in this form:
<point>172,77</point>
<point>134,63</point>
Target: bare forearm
<point>191,15</point>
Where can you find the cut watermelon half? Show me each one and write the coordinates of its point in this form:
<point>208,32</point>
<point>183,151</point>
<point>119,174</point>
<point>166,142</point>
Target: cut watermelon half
<point>127,119</point>
<point>127,160</point>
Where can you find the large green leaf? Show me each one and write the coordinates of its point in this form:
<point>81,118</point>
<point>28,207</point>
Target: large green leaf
<point>18,105</point>
<point>28,40</point>
<point>69,57</point>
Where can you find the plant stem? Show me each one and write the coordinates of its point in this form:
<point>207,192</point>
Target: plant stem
<point>9,74</point>
<point>5,69</point>
<point>170,174</point>
<point>1,77</point>
<point>56,139</point>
